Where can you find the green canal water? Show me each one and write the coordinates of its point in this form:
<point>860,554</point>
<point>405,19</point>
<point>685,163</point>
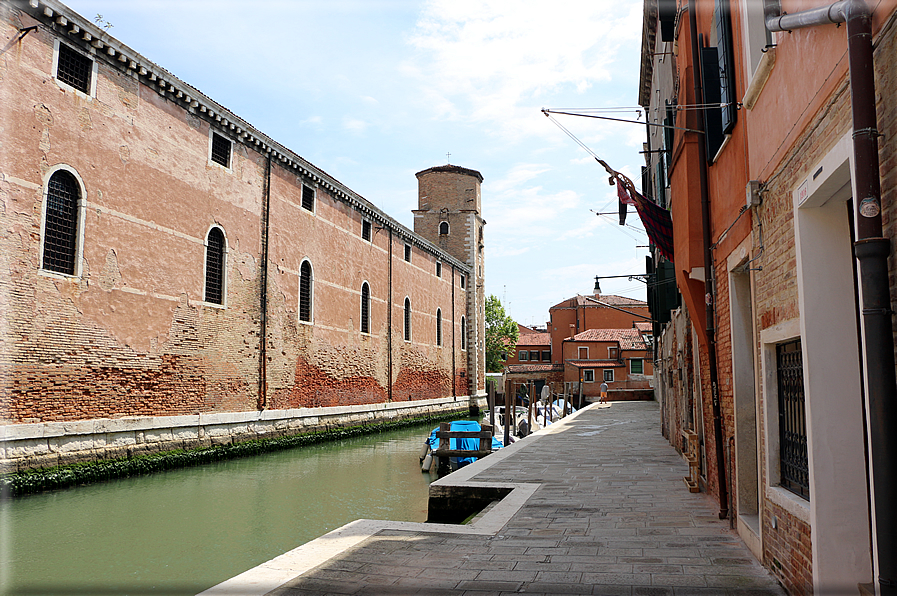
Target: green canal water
<point>182,531</point>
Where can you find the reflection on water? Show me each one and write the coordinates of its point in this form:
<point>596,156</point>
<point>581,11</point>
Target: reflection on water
<point>181,531</point>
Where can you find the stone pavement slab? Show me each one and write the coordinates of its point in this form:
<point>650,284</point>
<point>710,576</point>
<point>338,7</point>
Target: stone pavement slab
<point>598,507</point>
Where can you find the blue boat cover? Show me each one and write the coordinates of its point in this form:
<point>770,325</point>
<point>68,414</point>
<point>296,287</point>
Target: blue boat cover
<point>467,444</point>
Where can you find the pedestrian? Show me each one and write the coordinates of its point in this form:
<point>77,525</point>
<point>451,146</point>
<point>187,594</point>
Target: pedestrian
<point>603,390</point>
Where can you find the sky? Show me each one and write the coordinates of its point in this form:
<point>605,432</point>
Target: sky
<point>373,91</point>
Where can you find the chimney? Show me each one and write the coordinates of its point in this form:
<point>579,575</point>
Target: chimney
<point>572,330</point>
<point>597,290</point>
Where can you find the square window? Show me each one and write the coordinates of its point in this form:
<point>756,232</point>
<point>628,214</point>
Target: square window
<point>522,356</point>
<point>308,198</point>
<point>408,252</point>
<point>583,353</point>
<point>534,356</point>
<point>73,69</point>
<point>608,374</point>
<point>220,150</point>
<point>438,269</point>
<point>588,376</point>
<point>637,366</point>
<point>366,230</point>
<point>546,355</point>
<point>612,353</point>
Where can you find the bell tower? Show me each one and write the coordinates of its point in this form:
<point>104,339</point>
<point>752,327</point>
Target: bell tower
<point>449,215</point>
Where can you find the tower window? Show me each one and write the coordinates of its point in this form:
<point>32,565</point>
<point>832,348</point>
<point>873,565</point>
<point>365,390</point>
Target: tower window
<point>366,230</point>
<point>221,150</point>
<point>306,288</point>
<point>408,252</point>
<point>73,69</point>
<point>407,319</point>
<point>61,223</point>
<point>438,269</point>
<point>308,198</point>
<point>215,254</point>
<point>365,308</point>
<point>444,228</point>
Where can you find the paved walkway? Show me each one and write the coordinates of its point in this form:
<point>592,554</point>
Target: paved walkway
<point>599,507</point>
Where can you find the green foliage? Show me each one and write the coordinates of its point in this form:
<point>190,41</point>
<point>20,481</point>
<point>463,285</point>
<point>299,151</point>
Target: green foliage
<point>501,334</point>
<point>33,481</point>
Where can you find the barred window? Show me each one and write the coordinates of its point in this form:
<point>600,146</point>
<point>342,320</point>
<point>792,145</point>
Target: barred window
<point>438,326</point>
<point>221,148</point>
<point>215,252</point>
<point>444,228</point>
<point>73,69</point>
<point>407,319</point>
<point>308,198</point>
<point>61,223</point>
<point>366,230</point>
<point>365,308</point>
<point>794,464</point>
<point>408,252</point>
<point>305,292</point>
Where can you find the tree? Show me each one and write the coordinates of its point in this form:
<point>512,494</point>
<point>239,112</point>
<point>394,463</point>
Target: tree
<point>501,334</point>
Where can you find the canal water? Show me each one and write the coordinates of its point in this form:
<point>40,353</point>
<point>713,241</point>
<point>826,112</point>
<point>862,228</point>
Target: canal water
<point>182,531</point>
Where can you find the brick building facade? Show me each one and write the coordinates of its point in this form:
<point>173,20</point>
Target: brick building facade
<point>162,257</point>
<point>768,357</point>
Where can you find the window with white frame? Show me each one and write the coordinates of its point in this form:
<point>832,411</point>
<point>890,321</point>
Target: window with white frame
<point>588,375</point>
<point>443,228</point>
<point>583,353</point>
<point>608,374</point>
<point>637,366</point>
<point>522,355</point>
<point>613,353</point>
<point>216,251</point>
<point>534,355</point>
<point>407,330</point>
<point>61,226</point>
<point>74,69</point>
<point>365,308</point>
<point>220,150</point>
<point>306,292</point>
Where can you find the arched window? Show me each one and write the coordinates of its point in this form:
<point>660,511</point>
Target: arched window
<point>407,319</point>
<point>215,266</point>
<point>438,326</point>
<point>306,281</point>
<point>365,308</point>
<point>61,223</point>
<point>443,228</point>
<point>463,333</point>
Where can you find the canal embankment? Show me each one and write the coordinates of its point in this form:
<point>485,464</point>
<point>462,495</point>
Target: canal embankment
<point>595,504</point>
<point>51,444</point>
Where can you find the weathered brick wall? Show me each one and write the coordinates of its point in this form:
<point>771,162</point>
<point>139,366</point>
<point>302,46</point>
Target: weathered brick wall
<point>131,335</point>
<point>787,551</point>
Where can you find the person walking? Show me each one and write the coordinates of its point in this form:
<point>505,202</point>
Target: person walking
<point>603,390</point>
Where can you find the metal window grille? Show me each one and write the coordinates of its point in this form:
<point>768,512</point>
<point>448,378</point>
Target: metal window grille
<point>61,223</point>
<point>408,252</point>
<point>438,269</point>
<point>438,327</point>
<point>308,198</point>
<point>305,290</point>
<point>365,308</point>
<point>74,69</point>
<point>794,467</point>
<point>215,267</point>
<point>407,319</point>
<point>221,150</point>
<point>365,230</point>
<point>443,228</point>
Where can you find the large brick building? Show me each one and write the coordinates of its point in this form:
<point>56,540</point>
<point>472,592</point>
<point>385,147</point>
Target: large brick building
<point>772,142</point>
<point>163,259</point>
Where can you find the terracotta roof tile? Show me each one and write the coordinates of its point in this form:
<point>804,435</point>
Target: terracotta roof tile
<point>629,339</point>
<point>596,363</point>
<point>611,299</point>
<point>534,339</point>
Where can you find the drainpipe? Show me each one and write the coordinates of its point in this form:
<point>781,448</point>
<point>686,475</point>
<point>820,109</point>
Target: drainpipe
<point>263,295</point>
<point>871,250</point>
<point>389,328</point>
<point>723,488</point>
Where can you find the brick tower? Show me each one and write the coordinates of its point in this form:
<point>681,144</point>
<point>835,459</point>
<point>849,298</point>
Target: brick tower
<point>449,215</point>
